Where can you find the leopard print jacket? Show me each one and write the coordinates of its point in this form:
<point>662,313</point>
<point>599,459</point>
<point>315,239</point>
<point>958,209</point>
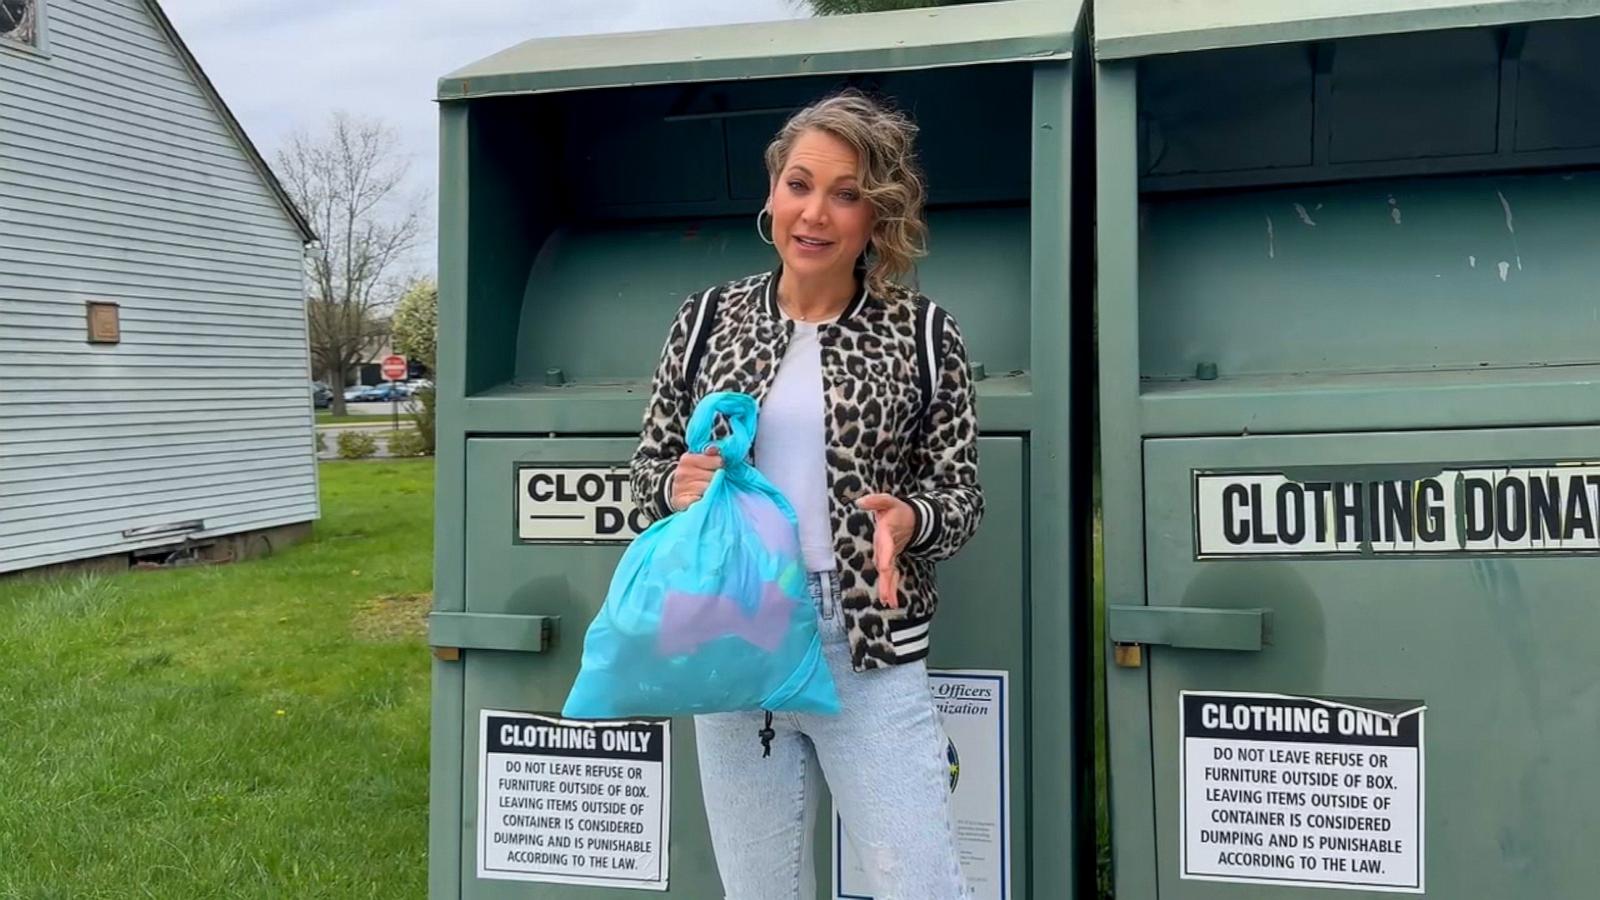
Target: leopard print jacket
<point>900,419</point>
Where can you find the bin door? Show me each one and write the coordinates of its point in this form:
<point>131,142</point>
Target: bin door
<point>552,554</point>
<point>516,567</point>
<point>1309,762</point>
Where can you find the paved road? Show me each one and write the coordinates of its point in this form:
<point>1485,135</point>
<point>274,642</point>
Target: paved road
<point>373,409</point>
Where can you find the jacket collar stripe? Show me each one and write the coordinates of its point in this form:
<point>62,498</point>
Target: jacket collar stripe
<point>850,312</point>
<point>772,294</point>
<point>854,309</point>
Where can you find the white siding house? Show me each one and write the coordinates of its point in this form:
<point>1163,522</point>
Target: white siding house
<point>124,179</point>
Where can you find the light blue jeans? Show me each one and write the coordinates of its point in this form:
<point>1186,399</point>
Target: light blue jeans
<point>884,760</point>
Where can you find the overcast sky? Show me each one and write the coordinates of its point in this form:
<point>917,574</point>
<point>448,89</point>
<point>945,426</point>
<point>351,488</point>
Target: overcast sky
<point>286,66</point>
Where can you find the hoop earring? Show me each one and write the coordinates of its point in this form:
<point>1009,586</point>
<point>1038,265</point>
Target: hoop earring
<point>764,239</point>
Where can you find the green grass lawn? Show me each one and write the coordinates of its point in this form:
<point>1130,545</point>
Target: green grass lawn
<point>250,730</point>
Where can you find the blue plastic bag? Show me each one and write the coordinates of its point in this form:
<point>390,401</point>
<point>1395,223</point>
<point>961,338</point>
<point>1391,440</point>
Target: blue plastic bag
<point>708,610</point>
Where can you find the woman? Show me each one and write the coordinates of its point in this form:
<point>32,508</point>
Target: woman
<point>867,426</point>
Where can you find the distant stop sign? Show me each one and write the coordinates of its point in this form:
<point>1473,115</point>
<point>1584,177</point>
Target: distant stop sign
<point>394,368</point>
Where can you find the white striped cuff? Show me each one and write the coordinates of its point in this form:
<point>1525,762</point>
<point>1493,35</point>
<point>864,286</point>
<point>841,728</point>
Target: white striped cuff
<point>926,520</point>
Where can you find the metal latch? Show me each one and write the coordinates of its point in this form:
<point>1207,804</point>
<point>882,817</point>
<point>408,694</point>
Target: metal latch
<point>451,632</point>
<point>1131,628</point>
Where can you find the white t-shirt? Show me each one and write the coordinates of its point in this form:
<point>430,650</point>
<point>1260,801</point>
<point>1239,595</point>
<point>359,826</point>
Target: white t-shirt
<point>791,447</point>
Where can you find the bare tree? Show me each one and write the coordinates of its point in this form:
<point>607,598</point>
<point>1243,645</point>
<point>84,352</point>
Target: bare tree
<point>348,180</point>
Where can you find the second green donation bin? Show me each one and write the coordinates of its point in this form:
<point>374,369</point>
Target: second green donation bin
<point>1349,391</point>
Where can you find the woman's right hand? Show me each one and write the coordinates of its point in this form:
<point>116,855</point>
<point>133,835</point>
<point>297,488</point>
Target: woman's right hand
<point>693,476</point>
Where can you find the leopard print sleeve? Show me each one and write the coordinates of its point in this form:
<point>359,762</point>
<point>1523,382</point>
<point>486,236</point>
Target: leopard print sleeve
<point>948,501</point>
<point>666,417</point>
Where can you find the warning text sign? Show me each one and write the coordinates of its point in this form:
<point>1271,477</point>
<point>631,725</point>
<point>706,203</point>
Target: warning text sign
<point>565,504</point>
<point>973,709</point>
<point>573,802</point>
<point>1302,791</point>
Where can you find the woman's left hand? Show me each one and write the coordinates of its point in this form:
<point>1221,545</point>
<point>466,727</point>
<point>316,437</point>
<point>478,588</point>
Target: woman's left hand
<point>895,522</point>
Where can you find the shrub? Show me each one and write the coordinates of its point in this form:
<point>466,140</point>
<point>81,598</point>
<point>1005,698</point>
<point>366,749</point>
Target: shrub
<point>355,444</point>
<point>322,442</point>
<point>407,442</point>
<point>422,412</point>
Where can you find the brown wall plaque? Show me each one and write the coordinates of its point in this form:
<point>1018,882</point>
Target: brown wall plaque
<point>105,326</point>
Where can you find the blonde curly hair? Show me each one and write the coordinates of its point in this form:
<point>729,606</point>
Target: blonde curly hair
<point>891,180</point>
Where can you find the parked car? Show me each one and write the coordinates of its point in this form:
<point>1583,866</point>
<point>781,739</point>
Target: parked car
<point>321,395</point>
<point>387,391</point>
<point>357,393</point>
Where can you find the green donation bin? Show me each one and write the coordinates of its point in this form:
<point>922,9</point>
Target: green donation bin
<point>1349,392</point>
<point>587,186</point>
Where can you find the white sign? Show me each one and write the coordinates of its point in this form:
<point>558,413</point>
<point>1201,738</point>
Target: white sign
<point>974,706</point>
<point>573,802</point>
<point>1501,509</point>
<point>1301,791</point>
<point>570,503</point>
